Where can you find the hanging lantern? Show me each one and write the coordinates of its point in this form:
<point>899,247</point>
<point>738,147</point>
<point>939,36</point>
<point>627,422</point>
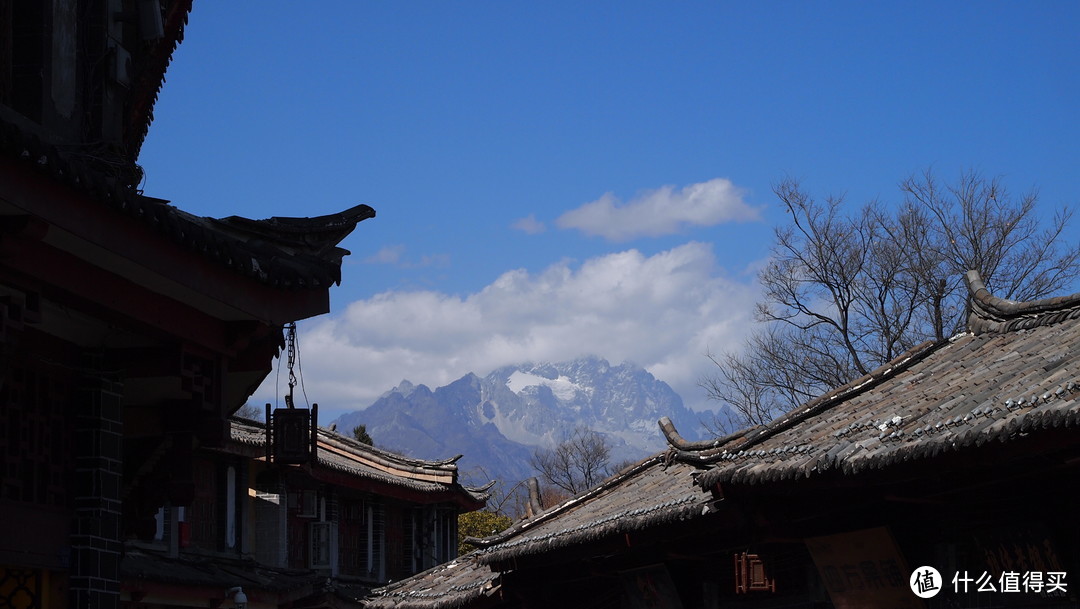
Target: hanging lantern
<point>292,433</point>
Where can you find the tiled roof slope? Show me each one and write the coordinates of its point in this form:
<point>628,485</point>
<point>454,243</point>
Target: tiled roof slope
<point>454,584</point>
<point>1017,371</point>
<point>140,564</point>
<point>345,455</point>
<point>649,493</point>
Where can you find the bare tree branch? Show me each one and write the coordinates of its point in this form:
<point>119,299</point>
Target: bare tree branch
<point>846,292</point>
<point>577,463</point>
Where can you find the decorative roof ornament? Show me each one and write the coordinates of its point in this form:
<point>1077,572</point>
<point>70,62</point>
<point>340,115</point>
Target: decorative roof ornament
<point>990,314</point>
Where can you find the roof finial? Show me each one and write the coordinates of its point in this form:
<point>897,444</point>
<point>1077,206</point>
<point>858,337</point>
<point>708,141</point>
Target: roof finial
<point>992,314</point>
<point>536,501</point>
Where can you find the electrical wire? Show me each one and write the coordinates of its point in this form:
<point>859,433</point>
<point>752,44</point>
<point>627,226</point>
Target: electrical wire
<point>277,383</point>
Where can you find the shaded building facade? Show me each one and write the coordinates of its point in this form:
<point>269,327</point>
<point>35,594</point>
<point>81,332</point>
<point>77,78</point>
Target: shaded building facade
<point>318,534</point>
<point>129,329</point>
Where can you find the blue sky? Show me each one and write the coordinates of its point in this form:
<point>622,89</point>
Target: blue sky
<point>557,179</point>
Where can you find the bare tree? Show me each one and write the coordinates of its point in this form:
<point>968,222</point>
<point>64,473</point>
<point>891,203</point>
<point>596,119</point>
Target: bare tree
<point>577,463</point>
<point>846,292</point>
<point>505,498</point>
<point>250,412</point>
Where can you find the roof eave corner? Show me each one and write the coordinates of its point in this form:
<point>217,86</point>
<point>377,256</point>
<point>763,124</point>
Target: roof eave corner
<point>981,317</point>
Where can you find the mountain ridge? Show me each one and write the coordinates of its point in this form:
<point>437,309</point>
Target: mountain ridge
<point>499,420</point>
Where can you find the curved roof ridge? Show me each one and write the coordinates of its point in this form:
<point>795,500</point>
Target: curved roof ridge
<point>351,457</point>
<point>253,432</point>
<point>992,314</point>
<point>675,440</point>
<point>316,236</point>
<point>346,443</point>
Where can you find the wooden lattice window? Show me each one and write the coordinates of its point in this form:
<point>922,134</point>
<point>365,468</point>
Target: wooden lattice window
<point>21,588</point>
<point>353,537</point>
<point>35,437</point>
<point>202,515</point>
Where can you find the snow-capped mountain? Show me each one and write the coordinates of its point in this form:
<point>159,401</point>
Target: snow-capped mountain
<point>499,420</point>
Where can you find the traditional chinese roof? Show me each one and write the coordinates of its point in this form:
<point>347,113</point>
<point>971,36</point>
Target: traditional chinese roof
<point>1015,376</point>
<point>1016,372</point>
<point>141,565</point>
<point>652,492</point>
<point>152,577</point>
<point>339,453</point>
<point>149,74</point>
<point>284,253</point>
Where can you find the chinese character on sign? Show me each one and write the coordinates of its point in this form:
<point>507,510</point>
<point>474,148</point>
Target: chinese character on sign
<point>854,578</point>
<point>986,583</point>
<point>833,579</point>
<point>925,582</point>
<point>1033,581</point>
<point>1055,581</point>
<point>957,580</point>
<point>870,574</point>
<point>1009,581</point>
<point>891,570</point>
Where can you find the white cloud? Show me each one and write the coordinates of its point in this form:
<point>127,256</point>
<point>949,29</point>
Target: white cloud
<point>395,255</point>
<point>390,254</point>
<point>663,211</point>
<point>662,312</point>
<point>529,224</point>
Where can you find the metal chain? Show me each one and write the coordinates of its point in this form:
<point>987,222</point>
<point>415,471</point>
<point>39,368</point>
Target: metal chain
<point>290,349</point>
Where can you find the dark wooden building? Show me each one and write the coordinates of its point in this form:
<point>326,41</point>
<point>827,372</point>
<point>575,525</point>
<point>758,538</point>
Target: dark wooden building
<point>129,329</point>
<point>962,456</point>
<point>319,534</point>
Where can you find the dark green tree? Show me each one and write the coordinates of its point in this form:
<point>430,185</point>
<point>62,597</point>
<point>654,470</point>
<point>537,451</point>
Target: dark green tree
<point>361,435</point>
<point>479,524</point>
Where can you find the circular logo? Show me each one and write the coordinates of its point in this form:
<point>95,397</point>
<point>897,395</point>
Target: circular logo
<point>925,582</point>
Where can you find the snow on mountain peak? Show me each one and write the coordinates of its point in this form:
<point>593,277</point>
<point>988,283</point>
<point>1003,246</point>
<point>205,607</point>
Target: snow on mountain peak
<point>562,387</point>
